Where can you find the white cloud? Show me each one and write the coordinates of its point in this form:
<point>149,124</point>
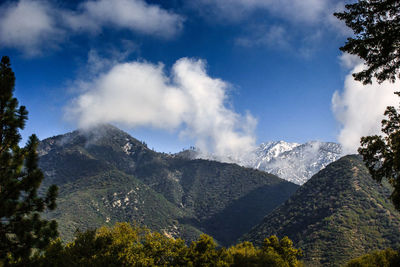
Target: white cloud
<point>359,108</point>
<point>134,15</point>
<point>140,94</point>
<point>349,61</point>
<point>35,25</point>
<point>29,26</point>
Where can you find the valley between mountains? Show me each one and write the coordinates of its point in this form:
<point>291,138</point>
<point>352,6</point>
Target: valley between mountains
<point>106,176</point>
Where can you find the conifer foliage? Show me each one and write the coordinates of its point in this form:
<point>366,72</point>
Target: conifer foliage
<point>21,228</point>
<point>376,27</point>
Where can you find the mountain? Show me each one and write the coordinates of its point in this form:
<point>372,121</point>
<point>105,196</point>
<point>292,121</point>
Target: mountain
<point>291,161</point>
<point>339,214</point>
<point>105,176</point>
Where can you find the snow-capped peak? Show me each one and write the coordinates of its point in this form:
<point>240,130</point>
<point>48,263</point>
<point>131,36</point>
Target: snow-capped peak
<point>271,150</point>
<point>292,161</point>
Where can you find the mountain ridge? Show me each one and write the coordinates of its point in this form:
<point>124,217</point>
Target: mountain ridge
<point>96,170</point>
<point>339,214</point>
<point>293,162</point>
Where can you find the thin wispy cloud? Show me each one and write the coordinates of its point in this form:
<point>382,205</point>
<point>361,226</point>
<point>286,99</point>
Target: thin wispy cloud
<point>274,37</point>
<point>359,108</point>
<point>281,38</point>
<point>134,15</point>
<point>298,26</point>
<point>141,94</point>
<point>304,11</point>
<point>33,26</point>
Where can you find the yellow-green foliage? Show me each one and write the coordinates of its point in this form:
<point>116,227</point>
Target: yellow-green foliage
<point>273,253</point>
<point>284,249</point>
<point>126,245</point>
<point>381,258</point>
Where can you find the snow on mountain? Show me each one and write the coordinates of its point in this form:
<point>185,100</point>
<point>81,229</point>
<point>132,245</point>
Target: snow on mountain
<point>291,161</point>
<point>265,152</point>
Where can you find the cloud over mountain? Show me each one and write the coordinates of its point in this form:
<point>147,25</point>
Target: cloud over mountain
<point>141,94</point>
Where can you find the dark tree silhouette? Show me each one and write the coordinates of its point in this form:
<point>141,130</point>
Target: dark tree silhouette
<point>376,27</point>
<point>21,228</point>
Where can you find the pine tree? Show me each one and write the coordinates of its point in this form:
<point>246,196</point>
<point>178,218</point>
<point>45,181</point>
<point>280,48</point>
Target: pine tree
<point>21,228</point>
<point>376,27</point>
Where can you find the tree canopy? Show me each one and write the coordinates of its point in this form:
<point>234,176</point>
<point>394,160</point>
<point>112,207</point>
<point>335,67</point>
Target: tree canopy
<point>382,258</point>
<point>127,245</point>
<point>376,27</point>
<point>21,228</point>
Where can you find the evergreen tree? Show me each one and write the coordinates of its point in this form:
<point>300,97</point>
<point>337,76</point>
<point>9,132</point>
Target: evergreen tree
<point>376,27</point>
<point>21,228</point>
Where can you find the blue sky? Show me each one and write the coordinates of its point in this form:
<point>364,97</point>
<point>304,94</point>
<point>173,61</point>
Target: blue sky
<point>273,67</point>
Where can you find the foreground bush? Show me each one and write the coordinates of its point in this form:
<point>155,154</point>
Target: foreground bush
<point>382,258</point>
<point>124,245</point>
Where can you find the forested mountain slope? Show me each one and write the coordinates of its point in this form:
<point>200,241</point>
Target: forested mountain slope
<point>339,214</point>
<point>105,176</point>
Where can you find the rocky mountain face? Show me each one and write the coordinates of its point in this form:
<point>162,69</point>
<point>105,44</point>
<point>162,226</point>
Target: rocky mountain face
<point>291,161</point>
<point>105,176</point>
<point>339,214</point>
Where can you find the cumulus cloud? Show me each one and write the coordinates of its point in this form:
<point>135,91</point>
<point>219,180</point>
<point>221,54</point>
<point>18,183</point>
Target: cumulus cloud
<point>140,94</point>
<point>29,26</point>
<point>33,25</point>
<point>359,108</point>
